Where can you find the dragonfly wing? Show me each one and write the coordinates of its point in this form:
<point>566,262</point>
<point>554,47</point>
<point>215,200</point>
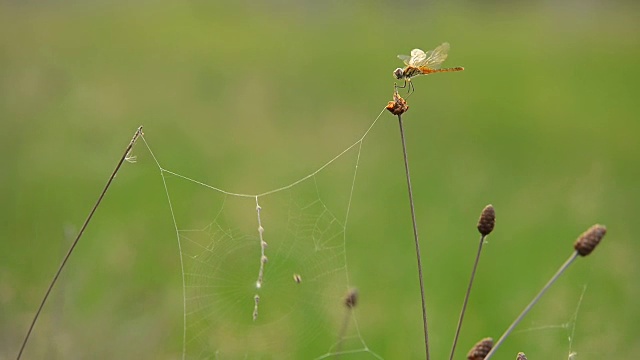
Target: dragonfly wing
<point>436,57</point>
<point>405,58</point>
<point>417,56</point>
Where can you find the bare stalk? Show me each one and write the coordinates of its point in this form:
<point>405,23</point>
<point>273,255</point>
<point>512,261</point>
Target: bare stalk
<point>415,237</point>
<point>466,299</point>
<point>526,310</point>
<point>350,301</point>
<point>486,223</point>
<point>75,242</point>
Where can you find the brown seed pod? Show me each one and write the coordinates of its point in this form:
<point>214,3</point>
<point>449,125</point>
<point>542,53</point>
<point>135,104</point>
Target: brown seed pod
<point>351,300</point>
<point>487,220</point>
<point>398,106</point>
<point>480,349</point>
<point>589,239</point>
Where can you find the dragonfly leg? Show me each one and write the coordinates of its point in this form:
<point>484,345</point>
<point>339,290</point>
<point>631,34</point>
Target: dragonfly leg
<point>411,88</point>
<point>407,83</point>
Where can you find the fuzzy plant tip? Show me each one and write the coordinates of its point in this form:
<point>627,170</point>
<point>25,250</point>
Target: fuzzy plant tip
<point>589,239</point>
<point>398,106</point>
<point>480,349</point>
<point>487,220</point>
<point>351,300</point>
<point>521,356</point>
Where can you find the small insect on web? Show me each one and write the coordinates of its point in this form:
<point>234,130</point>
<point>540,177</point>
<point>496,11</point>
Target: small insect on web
<point>422,63</point>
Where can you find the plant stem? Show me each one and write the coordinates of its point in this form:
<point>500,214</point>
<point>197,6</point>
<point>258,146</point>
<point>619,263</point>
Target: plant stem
<point>415,237</point>
<point>466,298</point>
<point>532,303</point>
<point>75,242</point>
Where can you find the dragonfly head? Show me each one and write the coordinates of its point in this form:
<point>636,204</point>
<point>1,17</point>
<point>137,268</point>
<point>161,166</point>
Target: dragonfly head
<point>398,73</point>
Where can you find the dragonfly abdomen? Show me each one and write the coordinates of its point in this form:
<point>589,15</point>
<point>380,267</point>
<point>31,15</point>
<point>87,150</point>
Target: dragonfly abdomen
<point>411,71</point>
<point>429,71</point>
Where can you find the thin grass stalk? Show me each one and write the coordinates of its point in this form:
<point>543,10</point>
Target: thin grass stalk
<point>415,237</point>
<point>466,298</point>
<point>535,300</point>
<point>75,242</point>
<point>485,226</point>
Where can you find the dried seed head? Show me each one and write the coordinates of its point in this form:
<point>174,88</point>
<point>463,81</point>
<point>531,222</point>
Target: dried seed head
<point>589,239</point>
<point>351,300</point>
<point>487,220</point>
<point>398,106</point>
<point>480,349</point>
<point>521,356</point>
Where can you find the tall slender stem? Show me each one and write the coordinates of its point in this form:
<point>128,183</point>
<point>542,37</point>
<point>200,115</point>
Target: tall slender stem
<point>526,310</point>
<point>75,242</point>
<point>415,237</point>
<point>466,298</point>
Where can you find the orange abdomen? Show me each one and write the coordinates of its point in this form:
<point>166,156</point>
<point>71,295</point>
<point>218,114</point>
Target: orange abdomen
<point>425,70</point>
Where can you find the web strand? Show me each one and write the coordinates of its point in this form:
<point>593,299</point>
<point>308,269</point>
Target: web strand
<point>309,246</point>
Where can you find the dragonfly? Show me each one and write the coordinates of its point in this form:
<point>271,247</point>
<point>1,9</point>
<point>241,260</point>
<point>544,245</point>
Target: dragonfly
<point>422,63</point>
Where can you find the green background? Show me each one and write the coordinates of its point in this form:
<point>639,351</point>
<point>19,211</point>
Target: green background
<point>248,97</point>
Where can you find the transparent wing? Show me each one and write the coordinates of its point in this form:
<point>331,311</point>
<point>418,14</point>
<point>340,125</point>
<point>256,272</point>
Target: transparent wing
<point>417,57</point>
<point>434,58</point>
<point>405,58</point>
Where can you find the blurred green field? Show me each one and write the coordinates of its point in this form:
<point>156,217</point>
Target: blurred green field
<point>543,124</point>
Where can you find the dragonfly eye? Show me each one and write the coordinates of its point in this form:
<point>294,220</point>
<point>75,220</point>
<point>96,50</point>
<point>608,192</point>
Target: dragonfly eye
<point>398,73</point>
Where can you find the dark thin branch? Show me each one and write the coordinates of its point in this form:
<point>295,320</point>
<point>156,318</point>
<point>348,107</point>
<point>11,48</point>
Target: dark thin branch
<point>466,298</point>
<point>415,236</point>
<point>75,242</point>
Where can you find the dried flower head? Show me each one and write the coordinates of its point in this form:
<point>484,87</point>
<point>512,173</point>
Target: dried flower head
<point>487,220</point>
<point>398,106</point>
<point>521,356</point>
<point>589,239</point>
<point>351,300</point>
<point>480,349</point>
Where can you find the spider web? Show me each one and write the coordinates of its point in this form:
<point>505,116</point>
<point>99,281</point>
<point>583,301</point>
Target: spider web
<point>265,275</point>
<point>569,327</point>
